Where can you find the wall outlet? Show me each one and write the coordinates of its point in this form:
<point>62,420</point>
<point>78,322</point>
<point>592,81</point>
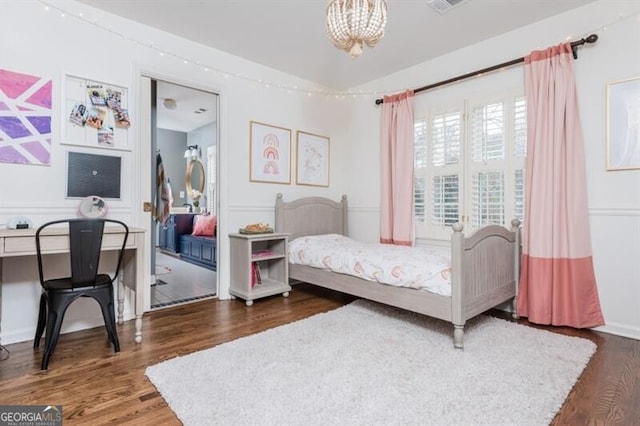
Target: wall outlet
<point>181,194</point>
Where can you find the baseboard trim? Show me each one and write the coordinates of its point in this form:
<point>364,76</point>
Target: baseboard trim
<point>619,330</point>
<point>27,334</point>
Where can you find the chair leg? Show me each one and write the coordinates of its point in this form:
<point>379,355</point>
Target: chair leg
<point>57,308</point>
<point>42,320</point>
<point>54,323</point>
<point>107,306</point>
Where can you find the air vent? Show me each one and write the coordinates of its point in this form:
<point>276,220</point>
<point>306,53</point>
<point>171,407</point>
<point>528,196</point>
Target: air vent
<point>444,5</point>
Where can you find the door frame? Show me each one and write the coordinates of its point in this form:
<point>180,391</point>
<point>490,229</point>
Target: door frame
<point>144,182</point>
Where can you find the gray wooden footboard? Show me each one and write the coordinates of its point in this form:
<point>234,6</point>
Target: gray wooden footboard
<point>485,266</point>
<point>485,269</point>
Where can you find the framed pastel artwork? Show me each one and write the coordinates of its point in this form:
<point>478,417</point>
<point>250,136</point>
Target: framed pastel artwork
<point>25,118</point>
<point>312,165</point>
<point>623,124</point>
<point>269,153</point>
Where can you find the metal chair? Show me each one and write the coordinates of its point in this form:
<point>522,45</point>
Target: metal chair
<point>85,242</point>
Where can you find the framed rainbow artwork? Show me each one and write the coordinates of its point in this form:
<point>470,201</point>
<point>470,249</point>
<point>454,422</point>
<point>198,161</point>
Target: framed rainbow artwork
<point>270,152</point>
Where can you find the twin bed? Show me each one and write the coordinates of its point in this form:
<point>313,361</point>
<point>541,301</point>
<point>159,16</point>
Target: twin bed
<point>484,267</point>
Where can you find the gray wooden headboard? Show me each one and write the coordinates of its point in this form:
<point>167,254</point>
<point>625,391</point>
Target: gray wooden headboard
<point>311,216</point>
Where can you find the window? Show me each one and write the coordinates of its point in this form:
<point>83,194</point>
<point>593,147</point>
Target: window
<point>469,162</point>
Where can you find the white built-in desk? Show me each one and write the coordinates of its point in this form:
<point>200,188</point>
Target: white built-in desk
<point>22,242</point>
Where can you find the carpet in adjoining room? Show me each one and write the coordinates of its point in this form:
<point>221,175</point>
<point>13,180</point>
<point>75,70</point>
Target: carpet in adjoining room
<point>368,364</point>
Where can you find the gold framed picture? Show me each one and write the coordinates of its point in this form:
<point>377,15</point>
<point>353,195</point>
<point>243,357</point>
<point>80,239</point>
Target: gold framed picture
<point>312,165</point>
<point>623,124</point>
<point>269,153</point>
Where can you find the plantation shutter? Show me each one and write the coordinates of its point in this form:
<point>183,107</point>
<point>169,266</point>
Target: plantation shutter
<point>445,172</point>
<point>519,153</point>
<point>487,164</point>
<point>420,160</point>
<point>446,195</point>
<point>469,165</point>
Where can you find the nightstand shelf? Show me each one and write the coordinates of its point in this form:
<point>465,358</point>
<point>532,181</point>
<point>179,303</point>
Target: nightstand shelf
<point>268,254</point>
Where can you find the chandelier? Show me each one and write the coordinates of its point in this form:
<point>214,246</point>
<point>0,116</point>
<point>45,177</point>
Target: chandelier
<point>352,23</point>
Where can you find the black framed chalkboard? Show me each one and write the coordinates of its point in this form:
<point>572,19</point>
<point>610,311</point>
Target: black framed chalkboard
<point>90,174</point>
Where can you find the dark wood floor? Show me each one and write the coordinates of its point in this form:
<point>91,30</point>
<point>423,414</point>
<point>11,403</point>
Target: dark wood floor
<point>96,386</point>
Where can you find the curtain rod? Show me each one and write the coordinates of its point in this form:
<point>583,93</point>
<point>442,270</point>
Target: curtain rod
<point>574,47</point>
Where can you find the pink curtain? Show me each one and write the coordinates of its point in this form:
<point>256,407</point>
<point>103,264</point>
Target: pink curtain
<point>558,284</point>
<point>396,156</point>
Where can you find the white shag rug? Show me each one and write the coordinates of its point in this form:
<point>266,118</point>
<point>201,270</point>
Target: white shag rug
<point>368,364</point>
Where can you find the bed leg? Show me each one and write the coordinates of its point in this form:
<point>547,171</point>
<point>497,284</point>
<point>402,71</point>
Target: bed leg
<point>458,334</point>
<point>514,306</point>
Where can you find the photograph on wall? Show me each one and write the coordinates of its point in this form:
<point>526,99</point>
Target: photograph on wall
<point>25,118</point>
<point>105,136</point>
<point>97,94</point>
<point>270,148</point>
<point>96,114</point>
<point>122,118</point>
<point>623,125</point>
<point>79,114</point>
<point>312,165</point>
<point>114,99</point>
<point>95,118</point>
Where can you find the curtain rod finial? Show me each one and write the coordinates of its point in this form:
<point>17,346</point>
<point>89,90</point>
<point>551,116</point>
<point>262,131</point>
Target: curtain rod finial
<point>592,38</point>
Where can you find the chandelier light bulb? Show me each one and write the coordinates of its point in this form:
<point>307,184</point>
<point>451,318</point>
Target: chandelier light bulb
<point>353,23</point>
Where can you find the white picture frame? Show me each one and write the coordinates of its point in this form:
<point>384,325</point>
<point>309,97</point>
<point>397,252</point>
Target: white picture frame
<point>623,124</point>
<point>312,164</point>
<point>269,153</point>
<point>95,121</point>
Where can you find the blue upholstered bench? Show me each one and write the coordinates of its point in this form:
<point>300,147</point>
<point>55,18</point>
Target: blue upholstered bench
<point>198,250</point>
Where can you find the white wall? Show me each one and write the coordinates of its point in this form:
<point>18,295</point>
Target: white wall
<point>614,197</point>
<point>43,43</point>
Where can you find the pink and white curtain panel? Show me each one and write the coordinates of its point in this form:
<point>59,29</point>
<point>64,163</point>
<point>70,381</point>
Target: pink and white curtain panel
<point>557,284</point>
<point>396,156</point>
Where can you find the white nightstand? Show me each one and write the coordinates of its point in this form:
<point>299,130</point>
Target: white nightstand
<point>259,265</point>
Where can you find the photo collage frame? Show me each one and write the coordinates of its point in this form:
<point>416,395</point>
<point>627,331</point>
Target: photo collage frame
<point>96,114</point>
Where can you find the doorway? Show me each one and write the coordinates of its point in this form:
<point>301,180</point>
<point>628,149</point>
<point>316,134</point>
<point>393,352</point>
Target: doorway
<point>184,146</point>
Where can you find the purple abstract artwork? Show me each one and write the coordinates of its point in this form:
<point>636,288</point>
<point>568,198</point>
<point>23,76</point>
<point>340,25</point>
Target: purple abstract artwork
<point>25,118</point>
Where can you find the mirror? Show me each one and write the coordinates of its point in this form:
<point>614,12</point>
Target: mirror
<point>194,178</point>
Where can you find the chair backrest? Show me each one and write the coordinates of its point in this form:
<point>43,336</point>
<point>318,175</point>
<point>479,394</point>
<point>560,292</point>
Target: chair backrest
<point>85,243</point>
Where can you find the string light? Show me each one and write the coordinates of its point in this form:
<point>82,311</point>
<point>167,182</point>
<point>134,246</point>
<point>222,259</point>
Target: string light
<point>226,74</point>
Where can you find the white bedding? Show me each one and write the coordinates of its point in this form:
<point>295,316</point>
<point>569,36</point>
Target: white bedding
<point>427,268</point>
